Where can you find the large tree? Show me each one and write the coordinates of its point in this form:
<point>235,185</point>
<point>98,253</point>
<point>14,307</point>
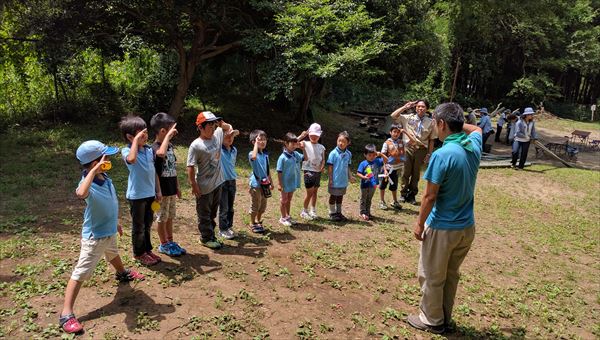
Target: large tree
<point>195,29</point>
<point>314,40</point>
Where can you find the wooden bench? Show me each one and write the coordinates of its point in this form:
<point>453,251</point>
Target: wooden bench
<point>581,137</point>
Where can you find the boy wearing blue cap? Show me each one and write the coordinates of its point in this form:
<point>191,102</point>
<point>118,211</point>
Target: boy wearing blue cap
<point>100,226</point>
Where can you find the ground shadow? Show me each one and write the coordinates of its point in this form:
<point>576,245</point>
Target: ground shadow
<point>131,302</point>
<point>307,226</point>
<point>199,263</point>
<point>469,332</point>
<point>247,245</point>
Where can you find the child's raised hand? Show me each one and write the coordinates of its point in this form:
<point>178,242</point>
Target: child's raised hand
<point>142,134</point>
<point>172,131</point>
<point>103,162</point>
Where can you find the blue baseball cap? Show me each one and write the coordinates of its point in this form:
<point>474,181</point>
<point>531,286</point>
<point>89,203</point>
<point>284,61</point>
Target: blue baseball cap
<point>91,150</point>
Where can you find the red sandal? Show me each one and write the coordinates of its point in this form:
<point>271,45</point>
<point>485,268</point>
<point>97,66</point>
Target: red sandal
<point>70,324</point>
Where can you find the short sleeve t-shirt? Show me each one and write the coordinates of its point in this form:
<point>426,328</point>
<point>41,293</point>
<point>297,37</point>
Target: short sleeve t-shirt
<point>371,169</point>
<point>423,128</point>
<point>394,150</point>
<point>166,169</point>
<point>339,160</point>
<point>454,169</point>
<point>142,174</point>
<point>314,156</point>
<point>228,158</point>
<point>205,155</point>
<point>288,166</point>
<point>101,210</point>
<point>260,168</point>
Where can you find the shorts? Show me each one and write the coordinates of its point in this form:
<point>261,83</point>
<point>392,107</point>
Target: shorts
<point>393,175</point>
<point>167,209</point>
<point>312,179</point>
<point>91,252</point>
<point>337,191</point>
<point>259,201</point>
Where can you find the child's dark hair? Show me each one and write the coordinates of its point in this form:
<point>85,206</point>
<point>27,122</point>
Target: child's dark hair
<point>395,127</point>
<point>161,120</point>
<point>257,133</point>
<point>290,138</point>
<point>344,134</point>
<point>369,148</point>
<point>131,125</point>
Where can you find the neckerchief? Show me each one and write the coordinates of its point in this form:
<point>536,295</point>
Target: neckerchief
<point>461,139</point>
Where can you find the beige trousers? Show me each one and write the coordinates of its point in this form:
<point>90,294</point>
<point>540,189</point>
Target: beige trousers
<point>442,253</point>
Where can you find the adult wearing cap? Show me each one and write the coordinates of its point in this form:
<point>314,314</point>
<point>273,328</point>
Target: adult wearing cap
<point>485,124</point>
<point>422,128</point>
<point>446,223</point>
<point>524,133</point>
<point>205,173</point>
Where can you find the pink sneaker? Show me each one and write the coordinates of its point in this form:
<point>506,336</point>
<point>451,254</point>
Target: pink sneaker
<point>129,275</point>
<point>146,259</point>
<point>70,324</point>
<point>154,256</point>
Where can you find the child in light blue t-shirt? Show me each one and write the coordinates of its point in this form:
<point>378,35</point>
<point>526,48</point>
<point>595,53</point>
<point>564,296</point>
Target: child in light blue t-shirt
<point>100,227</point>
<point>288,174</point>
<point>229,186</point>
<point>368,172</point>
<point>338,168</point>
<point>143,187</point>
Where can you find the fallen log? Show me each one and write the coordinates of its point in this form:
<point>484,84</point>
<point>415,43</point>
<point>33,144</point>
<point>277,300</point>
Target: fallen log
<point>552,154</point>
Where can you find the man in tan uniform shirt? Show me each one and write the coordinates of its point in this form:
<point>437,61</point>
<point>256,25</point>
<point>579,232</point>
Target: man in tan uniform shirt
<point>423,129</point>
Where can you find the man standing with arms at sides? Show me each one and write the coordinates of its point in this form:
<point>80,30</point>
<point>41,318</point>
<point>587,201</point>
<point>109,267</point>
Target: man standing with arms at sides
<point>422,128</point>
<point>446,224</point>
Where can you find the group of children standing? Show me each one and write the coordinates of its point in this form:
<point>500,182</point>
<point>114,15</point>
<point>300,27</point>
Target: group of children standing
<point>152,188</point>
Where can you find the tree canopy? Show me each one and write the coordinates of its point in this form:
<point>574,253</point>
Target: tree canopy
<point>151,55</point>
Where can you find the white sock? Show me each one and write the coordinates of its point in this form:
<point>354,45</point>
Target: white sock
<point>332,208</point>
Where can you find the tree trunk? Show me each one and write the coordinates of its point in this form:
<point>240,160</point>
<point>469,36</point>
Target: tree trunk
<point>186,72</point>
<point>307,93</point>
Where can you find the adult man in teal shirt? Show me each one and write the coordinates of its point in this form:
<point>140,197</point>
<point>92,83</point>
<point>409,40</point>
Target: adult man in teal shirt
<point>446,224</point>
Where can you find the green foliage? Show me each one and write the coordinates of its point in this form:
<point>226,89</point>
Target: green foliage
<point>321,39</point>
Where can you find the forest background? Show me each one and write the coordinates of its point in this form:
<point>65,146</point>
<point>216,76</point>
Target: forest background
<point>67,60</point>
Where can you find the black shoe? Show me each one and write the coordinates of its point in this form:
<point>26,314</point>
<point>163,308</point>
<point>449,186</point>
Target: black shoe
<point>411,200</point>
<point>335,217</point>
<point>402,199</point>
<point>416,322</point>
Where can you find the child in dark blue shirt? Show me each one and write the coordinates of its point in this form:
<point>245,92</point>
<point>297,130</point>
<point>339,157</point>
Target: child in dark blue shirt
<point>368,172</point>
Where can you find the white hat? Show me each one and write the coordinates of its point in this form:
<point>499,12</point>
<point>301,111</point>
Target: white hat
<point>315,130</point>
<point>528,111</point>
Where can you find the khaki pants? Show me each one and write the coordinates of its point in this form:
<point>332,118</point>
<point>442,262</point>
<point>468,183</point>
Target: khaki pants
<point>412,171</point>
<point>442,253</point>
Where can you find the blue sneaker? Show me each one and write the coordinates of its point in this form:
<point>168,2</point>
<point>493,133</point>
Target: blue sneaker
<point>181,250</point>
<point>168,249</point>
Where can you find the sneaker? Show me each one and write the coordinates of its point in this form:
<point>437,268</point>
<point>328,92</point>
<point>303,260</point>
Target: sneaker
<point>343,218</point>
<point>257,228</point>
<point>291,220</point>
<point>365,217</point>
<point>146,259</point>
<point>129,275</point>
<point>212,244</point>
<point>284,222</point>
<point>382,205</point>
<point>182,250</point>
<point>169,249</point>
<point>313,214</point>
<point>70,324</point>
<point>154,256</point>
<point>411,200</point>
<point>402,199</point>
<point>416,322</point>
<point>305,216</point>
<point>335,217</point>
<point>396,205</point>
<point>227,234</point>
